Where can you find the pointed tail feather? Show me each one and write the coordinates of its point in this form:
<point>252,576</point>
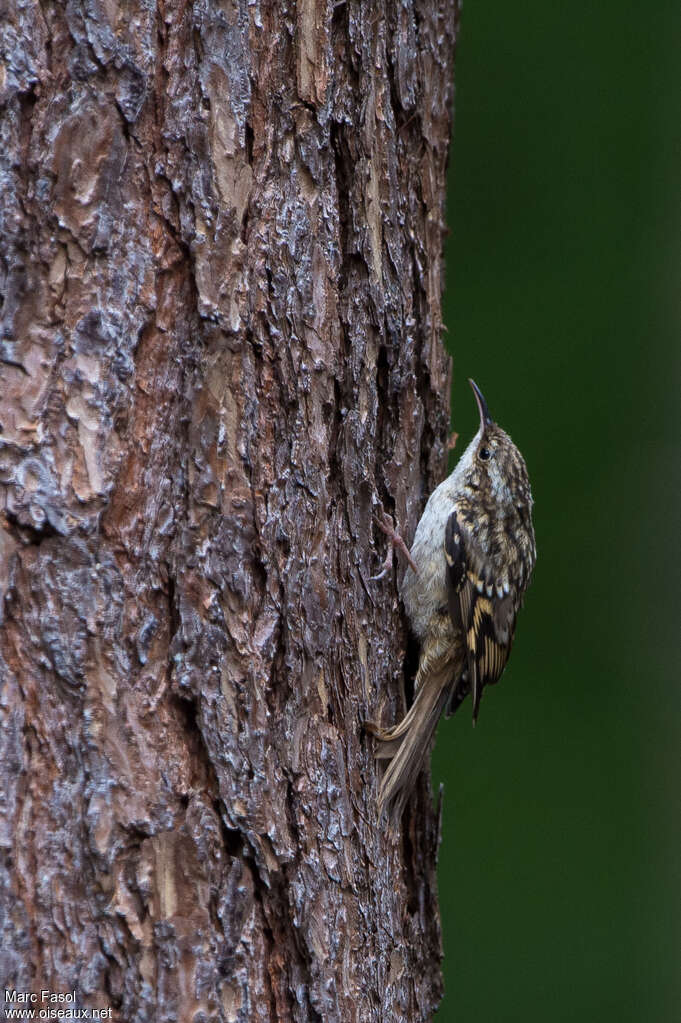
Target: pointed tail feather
<point>408,742</point>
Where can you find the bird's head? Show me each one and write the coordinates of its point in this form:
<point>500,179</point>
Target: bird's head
<point>493,469</point>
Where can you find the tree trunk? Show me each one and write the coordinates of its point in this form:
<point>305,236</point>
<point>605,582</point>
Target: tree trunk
<point>221,272</point>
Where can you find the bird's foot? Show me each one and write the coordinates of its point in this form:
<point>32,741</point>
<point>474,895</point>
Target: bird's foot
<point>386,524</point>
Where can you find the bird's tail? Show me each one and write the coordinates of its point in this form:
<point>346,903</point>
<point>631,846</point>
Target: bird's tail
<point>407,744</point>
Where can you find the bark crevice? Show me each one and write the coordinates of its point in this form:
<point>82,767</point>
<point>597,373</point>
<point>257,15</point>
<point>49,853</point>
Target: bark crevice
<point>222,233</point>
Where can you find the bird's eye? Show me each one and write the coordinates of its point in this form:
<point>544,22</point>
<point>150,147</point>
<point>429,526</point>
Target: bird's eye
<point>485,454</point>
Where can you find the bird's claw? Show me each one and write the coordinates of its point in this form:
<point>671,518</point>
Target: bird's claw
<point>385,567</point>
<point>386,524</point>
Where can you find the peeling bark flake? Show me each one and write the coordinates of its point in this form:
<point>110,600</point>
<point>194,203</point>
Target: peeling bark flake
<point>222,240</point>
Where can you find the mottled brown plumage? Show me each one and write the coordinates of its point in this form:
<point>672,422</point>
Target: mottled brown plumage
<point>474,553</point>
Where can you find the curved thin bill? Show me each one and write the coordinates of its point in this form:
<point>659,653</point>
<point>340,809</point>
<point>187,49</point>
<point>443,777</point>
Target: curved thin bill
<point>485,417</point>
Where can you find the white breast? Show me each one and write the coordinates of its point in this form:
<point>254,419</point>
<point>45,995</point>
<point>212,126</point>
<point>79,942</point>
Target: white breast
<point>424,593</point>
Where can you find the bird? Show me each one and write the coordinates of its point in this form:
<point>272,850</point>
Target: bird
<point>470,563</point>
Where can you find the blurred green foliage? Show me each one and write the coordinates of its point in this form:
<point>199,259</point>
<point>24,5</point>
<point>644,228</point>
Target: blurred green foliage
<point>560,861</point>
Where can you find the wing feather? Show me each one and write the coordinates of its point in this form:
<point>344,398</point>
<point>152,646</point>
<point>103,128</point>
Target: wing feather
<point>486,620</point>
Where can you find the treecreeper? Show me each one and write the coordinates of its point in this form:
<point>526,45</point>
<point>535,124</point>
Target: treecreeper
<point>469,566</point>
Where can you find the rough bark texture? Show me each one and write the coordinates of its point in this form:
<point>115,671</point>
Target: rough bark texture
<point>221,233</point>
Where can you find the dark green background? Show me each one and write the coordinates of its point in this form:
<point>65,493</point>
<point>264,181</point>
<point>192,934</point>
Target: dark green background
<point>560,865</point>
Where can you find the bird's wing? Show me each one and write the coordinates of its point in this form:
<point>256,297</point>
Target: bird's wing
<point>486,620</point>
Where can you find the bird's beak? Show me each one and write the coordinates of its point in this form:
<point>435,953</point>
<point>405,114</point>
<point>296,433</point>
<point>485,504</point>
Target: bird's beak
<point>485,417</point>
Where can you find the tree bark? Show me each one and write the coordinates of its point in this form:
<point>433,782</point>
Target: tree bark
<point>221,273</point>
